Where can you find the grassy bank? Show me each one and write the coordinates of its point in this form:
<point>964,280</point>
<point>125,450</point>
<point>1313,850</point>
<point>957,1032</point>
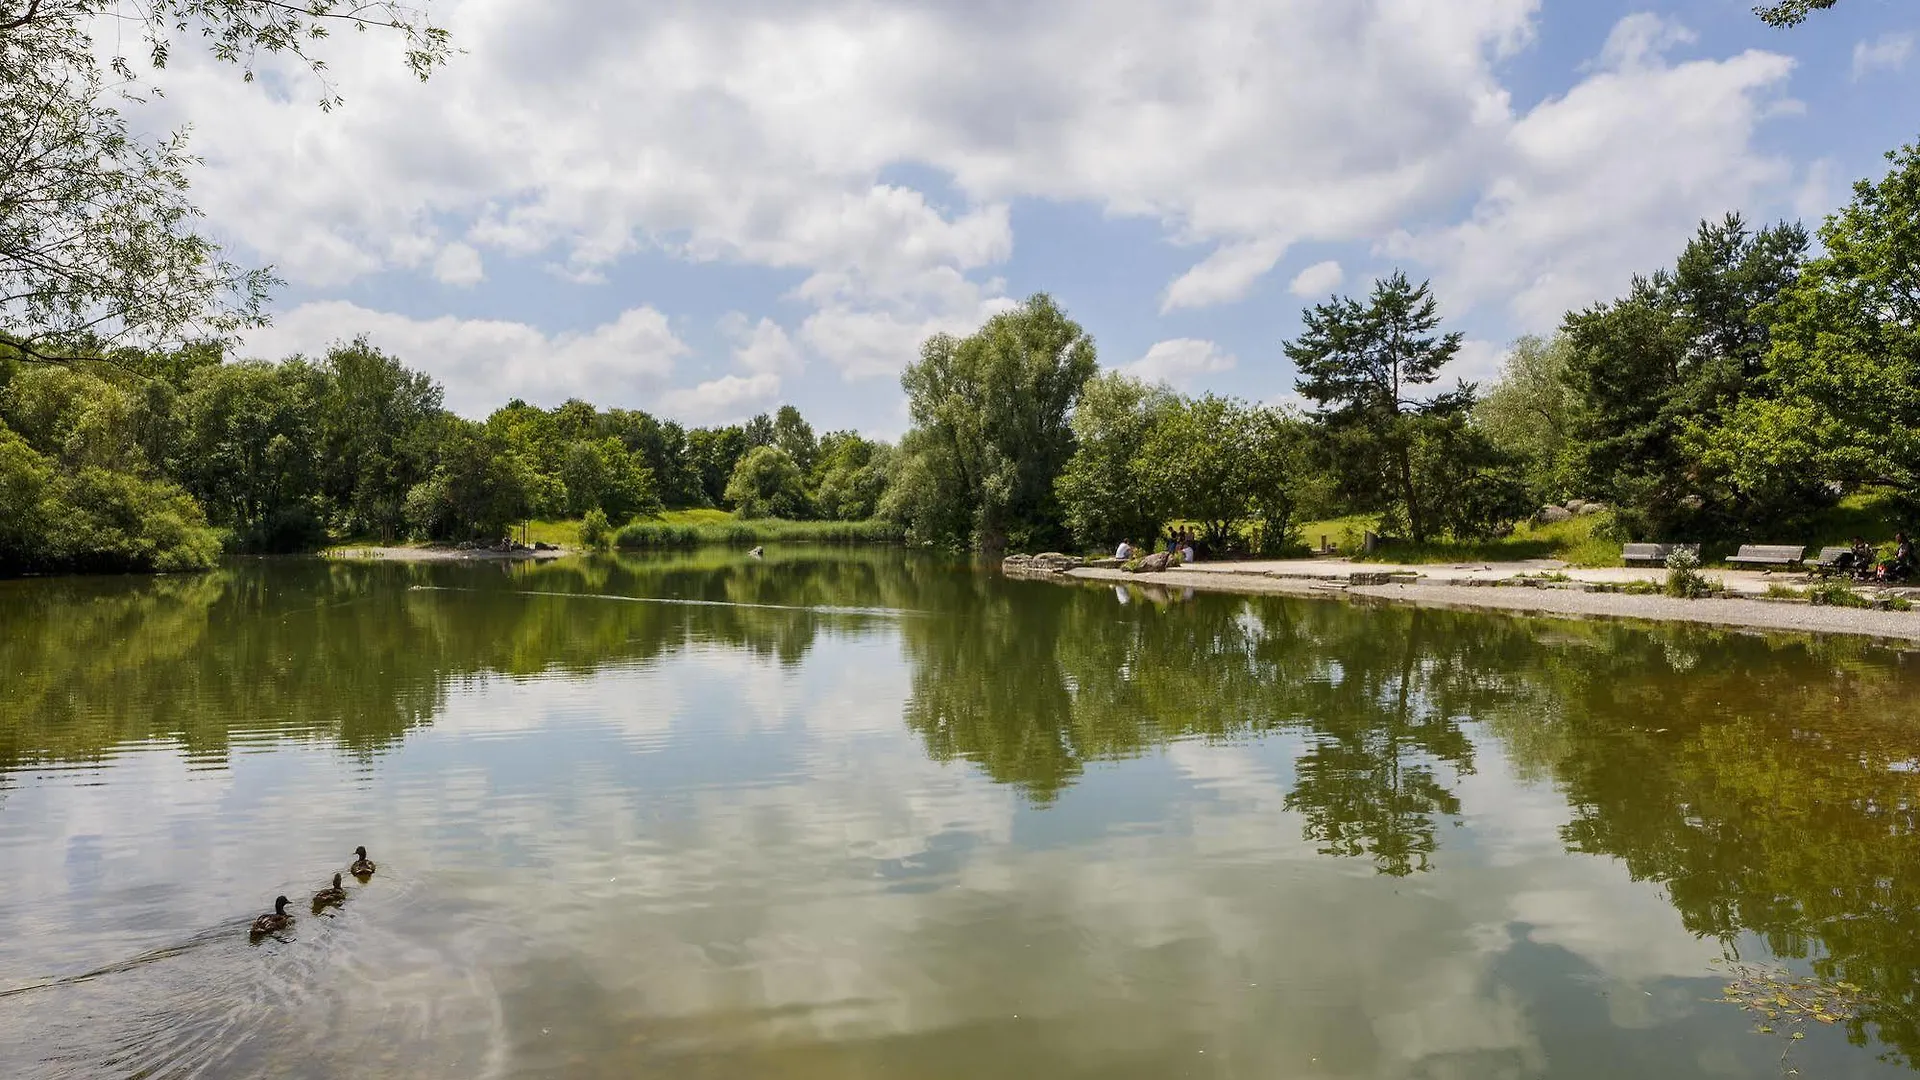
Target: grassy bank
<point>658,533</point>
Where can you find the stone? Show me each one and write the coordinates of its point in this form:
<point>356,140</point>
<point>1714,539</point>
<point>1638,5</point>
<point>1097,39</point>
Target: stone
<point>1554,515</point>
<point>1574,505</point>
<point>1589,509</point>
<point>1152,564</point>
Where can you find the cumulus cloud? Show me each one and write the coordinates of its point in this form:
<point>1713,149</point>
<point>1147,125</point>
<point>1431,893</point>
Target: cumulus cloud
<point>1180,362</point>
<point>1317,280</point>
<point>723,400</point>
<point>482,363</point>
<point>762,347</point>
<point>1609,179</point>
<point>458,264</point>
<point>1889,52</point>
<point>771,135</point>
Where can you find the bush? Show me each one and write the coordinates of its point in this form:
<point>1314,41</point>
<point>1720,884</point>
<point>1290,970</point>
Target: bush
<point>596,531</point>
<point>1684,578</point>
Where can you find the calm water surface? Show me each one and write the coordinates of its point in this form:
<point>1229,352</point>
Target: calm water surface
<point>858,814</point>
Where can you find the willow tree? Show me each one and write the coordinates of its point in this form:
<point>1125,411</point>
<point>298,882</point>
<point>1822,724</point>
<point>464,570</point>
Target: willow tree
<point>991,429</point>
<point>99,242</point>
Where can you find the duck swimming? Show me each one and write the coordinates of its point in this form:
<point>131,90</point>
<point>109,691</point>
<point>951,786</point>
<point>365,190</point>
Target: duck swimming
<point>362,867</point>
<point>330,897</point>
<point>274,922</point>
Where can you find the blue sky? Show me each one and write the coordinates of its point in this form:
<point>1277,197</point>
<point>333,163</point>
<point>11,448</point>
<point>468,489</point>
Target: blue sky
<point>708,209</point>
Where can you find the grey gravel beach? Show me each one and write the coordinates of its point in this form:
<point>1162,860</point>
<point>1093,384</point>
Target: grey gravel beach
<point>1745,611</point>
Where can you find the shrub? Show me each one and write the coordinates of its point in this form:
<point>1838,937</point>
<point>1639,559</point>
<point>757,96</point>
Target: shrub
<point>1683,575</point>
<point>596,531</point>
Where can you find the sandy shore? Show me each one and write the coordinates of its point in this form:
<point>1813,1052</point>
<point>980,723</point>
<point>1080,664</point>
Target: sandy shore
<point>436,554</point>
<point>1742,611</point>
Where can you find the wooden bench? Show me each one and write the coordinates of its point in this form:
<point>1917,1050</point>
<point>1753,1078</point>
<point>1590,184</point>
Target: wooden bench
<point>1654,554</point>
<point>1768,555</point>
<point>1829,561</point>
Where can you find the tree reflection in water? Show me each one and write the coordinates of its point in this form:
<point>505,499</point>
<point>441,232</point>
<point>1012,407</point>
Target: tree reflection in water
<point>1769,785</point>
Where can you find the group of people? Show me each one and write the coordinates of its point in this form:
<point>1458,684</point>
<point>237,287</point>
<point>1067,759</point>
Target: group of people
<point>1864,562</point>
<point>1178,542</point>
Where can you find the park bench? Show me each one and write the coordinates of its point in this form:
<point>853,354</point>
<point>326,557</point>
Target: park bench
<point>1829,561</point>
<point>1768,555</point>
<point>1653,554</point>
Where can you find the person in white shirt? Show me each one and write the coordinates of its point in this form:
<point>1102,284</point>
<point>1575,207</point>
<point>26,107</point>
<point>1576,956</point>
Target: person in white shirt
<point>1124,551</point>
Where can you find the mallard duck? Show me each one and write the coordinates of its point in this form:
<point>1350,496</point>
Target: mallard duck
<point>330,897</point>
<point>362,867</point>
<point>275,922</point>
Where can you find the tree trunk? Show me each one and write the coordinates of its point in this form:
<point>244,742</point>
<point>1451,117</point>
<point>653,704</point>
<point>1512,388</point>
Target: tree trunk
<point>1414,524</point>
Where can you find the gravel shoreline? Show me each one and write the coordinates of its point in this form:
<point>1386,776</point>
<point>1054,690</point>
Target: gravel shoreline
<point>1893,626</point>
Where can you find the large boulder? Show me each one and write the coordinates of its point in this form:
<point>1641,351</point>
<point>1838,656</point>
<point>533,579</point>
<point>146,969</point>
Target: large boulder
<point>1554,515</point>
<point>1589,509</point>
<point>1152,564</point>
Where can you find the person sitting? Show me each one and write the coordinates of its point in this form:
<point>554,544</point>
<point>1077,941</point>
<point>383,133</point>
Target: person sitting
<point>1858,559</point>
<point>1900,566</point>
<point>1186,545</point>
<point>1124,551</point>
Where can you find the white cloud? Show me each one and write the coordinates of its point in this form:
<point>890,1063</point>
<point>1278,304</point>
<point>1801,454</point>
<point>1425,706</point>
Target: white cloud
<point>1223,276</point>
<point>771,135</point>
<point>763,347</point>
<point>724,400</point>
<point>1888,53</point>
<point>1180,362</point>
<point>484,362</point>
<point>1588,188</point>
<point>1317,280</point>
<point>458,264</point>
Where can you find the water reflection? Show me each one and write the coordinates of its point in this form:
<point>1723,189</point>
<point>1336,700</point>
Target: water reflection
<point>744,831</point>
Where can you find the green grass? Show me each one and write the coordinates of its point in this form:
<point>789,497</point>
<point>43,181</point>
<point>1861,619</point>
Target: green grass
<point>655,533</point>
<point>1576,542</point>
<point>693,528</point>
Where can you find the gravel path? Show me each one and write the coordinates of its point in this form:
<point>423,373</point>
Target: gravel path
<point>1900,626</point>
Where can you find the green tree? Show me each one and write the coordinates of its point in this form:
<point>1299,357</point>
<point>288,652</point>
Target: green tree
<point>991,431</point>
<point>1362,365</point>
<point>1100,490</point>
<point>1655,369</point>
<point>1791,12</point>
<point>712,453</point>
<point>1528,413</point>
<point>249,452</point>
<point>1844,355</point>
<point>767,483</point>
<point>793,434</point>
<point>376,425</point>
<point>850,476</point>
<point>78,491</point>
<point>98,246</point>
<point>478,488</point>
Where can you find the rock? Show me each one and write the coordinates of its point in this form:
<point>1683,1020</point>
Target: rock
<point>1554,515</point>
<point>1152,564</point>
<point>1589,509</point>
<point>1573,505</point>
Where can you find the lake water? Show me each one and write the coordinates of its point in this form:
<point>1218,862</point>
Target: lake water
<point>861,814</point>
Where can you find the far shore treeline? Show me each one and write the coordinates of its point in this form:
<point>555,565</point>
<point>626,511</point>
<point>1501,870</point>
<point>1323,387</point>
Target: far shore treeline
<point>1741,391</point>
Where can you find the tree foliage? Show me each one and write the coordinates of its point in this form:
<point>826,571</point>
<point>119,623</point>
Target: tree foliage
<point>991,414</point>
<point>767,483</point>
<point>1791,12</point>
<point>1363,366</point>
<point>99,246</point>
